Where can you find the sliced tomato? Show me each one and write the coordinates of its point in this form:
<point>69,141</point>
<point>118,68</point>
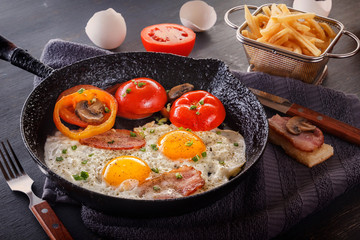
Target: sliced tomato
<point>68,113</point>
<point>198,111</point>
<point>168,38</point>
<point>140,98</point>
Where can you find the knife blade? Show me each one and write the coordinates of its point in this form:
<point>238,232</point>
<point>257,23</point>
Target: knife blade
<point>326,123</point>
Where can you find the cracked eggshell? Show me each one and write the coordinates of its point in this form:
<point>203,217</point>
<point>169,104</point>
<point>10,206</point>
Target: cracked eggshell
<point>106,29</point>
<point>197,15</point>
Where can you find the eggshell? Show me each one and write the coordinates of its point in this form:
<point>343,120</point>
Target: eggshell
<point>197,15</point>
<point>106,29</point>
<point>321,8</point>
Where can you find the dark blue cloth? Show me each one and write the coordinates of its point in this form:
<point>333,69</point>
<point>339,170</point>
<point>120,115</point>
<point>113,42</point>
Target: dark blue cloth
<point>276,194</point>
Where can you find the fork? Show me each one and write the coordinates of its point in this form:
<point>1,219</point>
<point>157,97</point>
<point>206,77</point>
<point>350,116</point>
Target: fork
<point>18,180</point>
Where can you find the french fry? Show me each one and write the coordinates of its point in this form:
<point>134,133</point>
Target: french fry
<point>289,30</point>
<point>292,17</point>
<point>254,28</point>
<point>304,41</point>
<point>295,48</point>
<point>275,10</point>
<point>267,11</point>
<point>328,29</point>
<point>317,28</point>
<point>284,8</point>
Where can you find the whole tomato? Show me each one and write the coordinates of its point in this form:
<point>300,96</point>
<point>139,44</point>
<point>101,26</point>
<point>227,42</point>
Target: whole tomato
<point>198,111</point>
<point>140,98</point>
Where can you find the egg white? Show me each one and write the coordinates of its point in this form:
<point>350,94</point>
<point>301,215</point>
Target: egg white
<point>225,155</point>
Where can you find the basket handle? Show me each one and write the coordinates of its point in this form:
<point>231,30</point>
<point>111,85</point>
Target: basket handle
<point>234,9</point>
<point>349,54</point>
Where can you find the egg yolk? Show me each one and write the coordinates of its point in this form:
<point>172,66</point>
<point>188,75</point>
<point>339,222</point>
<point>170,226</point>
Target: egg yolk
<point>181,144</point>
<point>122,168</point>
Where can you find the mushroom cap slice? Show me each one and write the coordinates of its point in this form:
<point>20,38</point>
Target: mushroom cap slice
<point>93,113</point>
<point>179,90</point>
<point>296,125</point>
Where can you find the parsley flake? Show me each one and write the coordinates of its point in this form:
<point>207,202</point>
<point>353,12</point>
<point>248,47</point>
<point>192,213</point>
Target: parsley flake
<point>81,90</point>
<point>189,143</point>
<point>132,134</point>
<point>59,159</point>
<point>74,147</point>
<point>155,170</point>
<point>178,175</point>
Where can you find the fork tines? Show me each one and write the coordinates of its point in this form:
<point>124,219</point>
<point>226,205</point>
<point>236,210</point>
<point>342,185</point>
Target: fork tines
<point>13,171</point>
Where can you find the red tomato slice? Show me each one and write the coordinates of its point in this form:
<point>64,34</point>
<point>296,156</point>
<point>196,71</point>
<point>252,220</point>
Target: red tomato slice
<point>197,110</point>
<point>140,98</point>
<point>168,38</point>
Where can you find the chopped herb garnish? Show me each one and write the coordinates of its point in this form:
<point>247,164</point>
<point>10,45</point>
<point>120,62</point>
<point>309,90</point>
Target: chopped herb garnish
<point>196,158</point>
<point>132,134</point>
<point>59,159</point>
<point>128,90</point>
<point>219,142</point>
<point>141,84</point>
<point>156,188</point>
<point>64,151</point>
<point>111,142</point>
<point>161,121</point>
<point>236,144</point>
<point>178,175</point>
<point>83,176</point>
<point>144,128</point>
<point>152,130</point>
<point>181,128</point>
<point>154,147</point>
<point>201,102</point>
<point>189,143</point>
<point>91,154</point>
<point>74,147</point>
<point>222,162</point>
<point>189,130</point>
<point>218,132</point>
<point>192,107</point>
<point>197,113</point>
<point>143,149</point>
<point>84,162</point>
<point>107,109</point>
<point>81,90</point>
<point>203,154</point>
<point>155,170</point>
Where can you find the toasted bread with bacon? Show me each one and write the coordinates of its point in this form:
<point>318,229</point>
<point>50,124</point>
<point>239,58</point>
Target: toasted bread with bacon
<point>301,140</point>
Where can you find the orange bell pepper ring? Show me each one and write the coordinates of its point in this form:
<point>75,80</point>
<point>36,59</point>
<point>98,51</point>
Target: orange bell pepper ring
<point>91,130</point>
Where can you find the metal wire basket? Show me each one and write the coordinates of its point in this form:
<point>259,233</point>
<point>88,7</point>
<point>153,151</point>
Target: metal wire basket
<point>277,61</point>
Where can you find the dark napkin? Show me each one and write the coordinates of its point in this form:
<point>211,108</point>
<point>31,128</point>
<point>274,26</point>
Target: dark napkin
<point>276,194</point>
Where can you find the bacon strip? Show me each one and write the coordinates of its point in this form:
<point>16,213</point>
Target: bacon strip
<point>184,181</point>
<point>115,139</point>
<point>305,141</point>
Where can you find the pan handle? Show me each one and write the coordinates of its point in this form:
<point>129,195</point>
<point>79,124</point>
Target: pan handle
<point>21,58</point>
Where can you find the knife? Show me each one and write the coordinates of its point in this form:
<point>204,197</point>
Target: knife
<point>326,123</point>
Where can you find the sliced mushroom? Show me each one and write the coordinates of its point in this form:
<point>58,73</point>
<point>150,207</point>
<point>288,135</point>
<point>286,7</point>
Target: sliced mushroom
<point>179,90</point>
<point>297,124</point>
<point>93,113</point>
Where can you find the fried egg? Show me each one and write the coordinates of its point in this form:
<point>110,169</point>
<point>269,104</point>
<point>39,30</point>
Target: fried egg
<point>217,154</point>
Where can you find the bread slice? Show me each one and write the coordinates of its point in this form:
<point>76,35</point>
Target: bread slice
<point>309,159</point>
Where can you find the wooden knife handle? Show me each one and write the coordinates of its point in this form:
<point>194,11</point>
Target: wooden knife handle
<point>52,225</point>
<point>327,124</point>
